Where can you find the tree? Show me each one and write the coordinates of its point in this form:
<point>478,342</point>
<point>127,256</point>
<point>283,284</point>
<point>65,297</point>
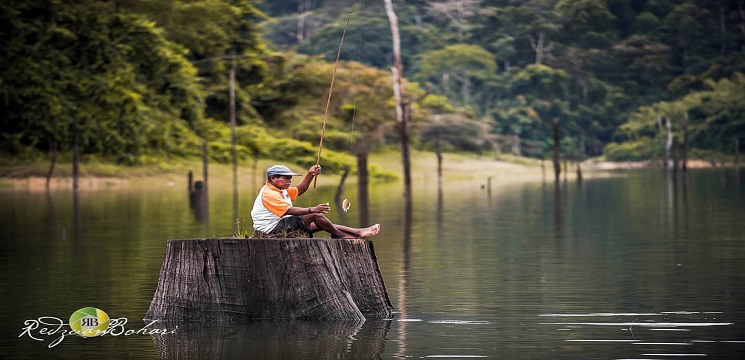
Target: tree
<point>545,89</point>
<point>713,118</point>
<point>403,109</point>
<point>455,14</point>
<point>465,63</point>
<point>128,90</point>
<point>684,27</point>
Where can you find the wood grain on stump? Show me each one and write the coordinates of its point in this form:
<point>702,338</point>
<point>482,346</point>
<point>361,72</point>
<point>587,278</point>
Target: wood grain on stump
<point>233,280</point>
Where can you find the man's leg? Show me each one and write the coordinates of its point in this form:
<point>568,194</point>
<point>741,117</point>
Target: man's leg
<point>363,233</point>
<point>317,222</point>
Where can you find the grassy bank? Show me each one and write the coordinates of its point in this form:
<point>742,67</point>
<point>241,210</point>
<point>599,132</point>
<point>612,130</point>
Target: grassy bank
<point>98,174</point>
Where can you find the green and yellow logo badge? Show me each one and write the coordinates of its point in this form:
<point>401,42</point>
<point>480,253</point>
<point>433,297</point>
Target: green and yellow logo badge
<point>89,322</point>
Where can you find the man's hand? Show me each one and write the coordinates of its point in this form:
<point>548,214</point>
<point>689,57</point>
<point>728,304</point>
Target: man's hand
<point>314,170</point>
<point>321,208</point>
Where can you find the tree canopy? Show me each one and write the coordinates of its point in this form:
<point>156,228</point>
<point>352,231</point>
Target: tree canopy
<point>140,79</point>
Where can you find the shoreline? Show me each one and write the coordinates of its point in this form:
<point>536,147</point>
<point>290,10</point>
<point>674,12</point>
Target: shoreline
<point>456,167</point>
<point>649,164</point>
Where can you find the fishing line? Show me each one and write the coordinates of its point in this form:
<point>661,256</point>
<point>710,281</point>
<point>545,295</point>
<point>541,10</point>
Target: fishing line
<point>356,94</point>
<point>328,101</point>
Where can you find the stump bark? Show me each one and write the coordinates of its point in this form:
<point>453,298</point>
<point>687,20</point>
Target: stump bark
<point>234,280</point>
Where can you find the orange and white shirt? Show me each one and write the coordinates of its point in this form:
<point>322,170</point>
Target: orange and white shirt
<point>271,205</point>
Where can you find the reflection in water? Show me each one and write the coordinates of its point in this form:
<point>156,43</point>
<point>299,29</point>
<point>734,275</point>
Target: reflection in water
<point>672,200</point>
<point>235,204</point>
<point>475,292</point>
<point>677,192</point>
<point>364,207</point>
<point>440,208</point>
<point>76,214</point>
<point>557,210</point>
<point>684,195</point>
<point>199,203</point>
<point>49,217</point>
<point>277,340</point>
<point>404,277</point>
<point>647,334</point>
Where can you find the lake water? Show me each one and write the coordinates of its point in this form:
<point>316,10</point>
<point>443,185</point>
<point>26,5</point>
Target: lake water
<point>624,265</point>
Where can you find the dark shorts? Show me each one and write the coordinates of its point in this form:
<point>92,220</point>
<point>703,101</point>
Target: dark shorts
<point>289,223</point>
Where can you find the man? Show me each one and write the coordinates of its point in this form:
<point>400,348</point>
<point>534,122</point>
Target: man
<point>273,211</point>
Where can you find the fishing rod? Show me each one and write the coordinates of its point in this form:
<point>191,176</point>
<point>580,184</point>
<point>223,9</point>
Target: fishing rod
<point>328,101</point>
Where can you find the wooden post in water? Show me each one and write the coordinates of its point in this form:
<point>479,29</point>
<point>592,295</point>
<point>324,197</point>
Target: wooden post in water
<point>205,163</point>
<point>236,279</point>
<point>737,153</point>
<point>75,159</point>
<point>190,182</point>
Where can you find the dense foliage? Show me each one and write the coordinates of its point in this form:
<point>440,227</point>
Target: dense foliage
<point>136,80</point>
<point>514,65</point>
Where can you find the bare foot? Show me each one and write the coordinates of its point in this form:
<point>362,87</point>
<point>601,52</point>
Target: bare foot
<point>370,231</point>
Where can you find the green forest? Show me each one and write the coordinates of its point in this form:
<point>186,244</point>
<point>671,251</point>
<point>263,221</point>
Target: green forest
<point>140,81</point>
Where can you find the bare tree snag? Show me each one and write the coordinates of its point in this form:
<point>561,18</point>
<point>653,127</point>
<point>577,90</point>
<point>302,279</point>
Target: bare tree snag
<point>555,123</point>
<point>516,150</point>
<point>363,186</point>
<point>539,48</point>
<point>302,12</point>
<point>398,90</point>
<point>737,153</point>
<point>457,13</point>
<point>669,141</point>
<point>685,141</point>
<point>235,280</point>
<point>55,153</point>
<point>75,159</point>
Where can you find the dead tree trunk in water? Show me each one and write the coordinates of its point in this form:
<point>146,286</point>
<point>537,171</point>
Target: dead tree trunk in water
<point>398,91</point>
<point>363,181</point>
<point>438,154</point>
<point>555,122</point>
<point>236,280</point>
<point>669,142</point>
<point>685,142</point>
<point>54,161</point>
<point>674,150</point>
<point>75,159</point>
<point>363,189</point>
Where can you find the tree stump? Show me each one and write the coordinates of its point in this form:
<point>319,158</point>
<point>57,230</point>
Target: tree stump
<point>234,280</point>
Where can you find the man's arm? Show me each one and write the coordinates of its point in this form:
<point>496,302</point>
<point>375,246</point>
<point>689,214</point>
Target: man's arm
<point>303,186</point>
<point>300,211</point>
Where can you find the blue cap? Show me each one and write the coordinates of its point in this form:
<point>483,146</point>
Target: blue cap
<point>280,170</point>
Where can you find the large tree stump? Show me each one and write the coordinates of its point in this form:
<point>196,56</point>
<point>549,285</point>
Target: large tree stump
<point>234,280</point>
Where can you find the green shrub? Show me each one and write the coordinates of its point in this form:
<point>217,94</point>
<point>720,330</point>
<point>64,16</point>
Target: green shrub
<point>636,150</point>
<point>220,152</point>
<point>381,175</point>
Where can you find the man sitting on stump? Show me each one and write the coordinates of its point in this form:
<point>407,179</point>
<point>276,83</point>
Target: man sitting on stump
<point>273,212</point>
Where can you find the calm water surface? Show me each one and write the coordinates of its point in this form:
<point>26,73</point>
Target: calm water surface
<point>627,265</point>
